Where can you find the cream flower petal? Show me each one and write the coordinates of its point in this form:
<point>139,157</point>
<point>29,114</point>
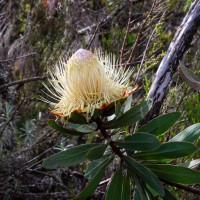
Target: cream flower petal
<point>86,82</point>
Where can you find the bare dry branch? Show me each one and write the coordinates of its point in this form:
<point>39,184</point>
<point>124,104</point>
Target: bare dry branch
<point>126,34</point>
<point>24,56</point>
<point>23,81</point>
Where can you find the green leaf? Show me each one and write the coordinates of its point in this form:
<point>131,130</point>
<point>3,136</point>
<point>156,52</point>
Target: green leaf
<point>97,113</point>
<point>59,128</point>
<point>68,157</point>
<point>126,188</point>
<point>161,124</point>
<point>119,109</point>
<point>127,103</point>
<point>77,118</point>
<point>94,166</point>
<point>176,174</point>
<point>97,152</point>
<point>190,134</point>
<point>93,184</point>
<point>168,151</point>
<point>83,128</point>
<point>145,174</point>
<point>115,187</point>
<point>122,106</point>
<point>139,142</point>
<point>131,116</point>
<point>169,195</point>
<point>190,78</point>
<point>139,192</point>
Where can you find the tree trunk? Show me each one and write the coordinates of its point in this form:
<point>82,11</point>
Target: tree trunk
<point>169,64</point>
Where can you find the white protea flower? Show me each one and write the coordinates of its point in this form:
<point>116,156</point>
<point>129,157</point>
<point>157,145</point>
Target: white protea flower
<point>87,82</point>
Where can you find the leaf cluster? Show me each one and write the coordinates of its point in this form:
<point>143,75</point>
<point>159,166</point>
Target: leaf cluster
<point>145,163</point>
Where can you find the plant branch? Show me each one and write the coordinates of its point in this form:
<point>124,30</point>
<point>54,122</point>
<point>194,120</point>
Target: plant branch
<point>107,137</point>
<point>97,28</point>
<point>139,35</point>
<point>22,81</point>
<point>126,34</point>
<point>24,56</point>
<point>183,187</point>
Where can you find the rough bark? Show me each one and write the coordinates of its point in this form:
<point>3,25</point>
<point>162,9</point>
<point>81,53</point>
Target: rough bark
<point>170,62</point>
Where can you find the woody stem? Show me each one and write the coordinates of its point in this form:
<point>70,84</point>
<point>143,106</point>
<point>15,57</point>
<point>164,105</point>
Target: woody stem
<point>108,138</point>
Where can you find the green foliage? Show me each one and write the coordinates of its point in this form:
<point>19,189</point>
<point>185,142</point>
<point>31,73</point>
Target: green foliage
<point>168,151</point>
<point>112,41</point>
<point>72,156</point>
<point>176,174</point>
<point>6,127</point>
<point>93,184</point>
<point>115,187</point>
<point>147,84</point>
<point>191,79</point>
<point>130,117</point>
<point>27,131</point>
<point>143,158</point>
<point>145,174</point>
<point>73,129</point>
<point>139,142</point>
<point>191,105</point>
<point>190,134</point>
<point>161,124</point>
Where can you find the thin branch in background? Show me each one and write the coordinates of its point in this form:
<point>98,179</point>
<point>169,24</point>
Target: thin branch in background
<point>139,35</point>
<point>126,34</point>
<point>97,28</point>
<point>33,159</point>
<point>145,51</point>
<point>22,81</point>
<point>181,99</point>
<point>3,13</point>
<point>24,56</point>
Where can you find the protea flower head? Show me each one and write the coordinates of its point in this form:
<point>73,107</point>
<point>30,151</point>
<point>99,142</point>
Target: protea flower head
<point>86,82</point>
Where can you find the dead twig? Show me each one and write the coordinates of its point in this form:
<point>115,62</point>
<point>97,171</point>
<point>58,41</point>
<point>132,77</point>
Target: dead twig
<point>97,28</point>
<point>24,56</point>
<point>22,81</point>
<point>146,48</point>
<point>139,35</point>
<point>126,34</point>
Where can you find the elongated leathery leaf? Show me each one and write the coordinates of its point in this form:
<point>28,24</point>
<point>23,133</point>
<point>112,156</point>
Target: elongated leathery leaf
<point>176,174</point>
<point>68,157</point>
<point>131,116</point>
<point>145,174</point>
<point>139,192</point>
<point>97,152</point>
<point>139,142</point>
<point>93,184</point>
<point>161,124</point>
<point>77,118</point>
<point>126,189</point>
<point>94,166</point>
<point>169,195</point>
<point>190,134</point>
<point>83,128</point>
<point>168,151</point>
<point>115,186</point>
<point>59,128</point>
<point>191,79</point>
